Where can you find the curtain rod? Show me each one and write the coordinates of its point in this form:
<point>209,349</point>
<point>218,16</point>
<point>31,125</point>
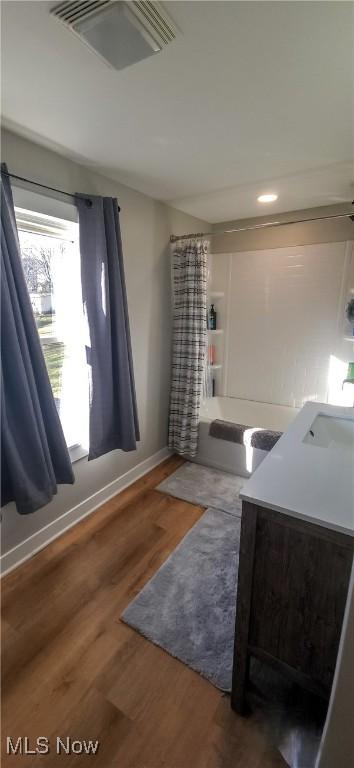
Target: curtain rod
<point>52,189</point>
<point>175,238</point>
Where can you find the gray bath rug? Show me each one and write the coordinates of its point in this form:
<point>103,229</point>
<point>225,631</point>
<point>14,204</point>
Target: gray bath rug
<point>188,608</point>
<point>205,486</point>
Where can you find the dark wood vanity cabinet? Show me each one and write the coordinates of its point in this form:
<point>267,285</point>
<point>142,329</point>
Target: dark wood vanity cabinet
<point>292,587</point>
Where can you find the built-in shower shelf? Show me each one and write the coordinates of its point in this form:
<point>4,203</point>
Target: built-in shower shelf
<point>215,367</point>
<point>348,338</point>
<point>218,330</point>
<point>216,295</point>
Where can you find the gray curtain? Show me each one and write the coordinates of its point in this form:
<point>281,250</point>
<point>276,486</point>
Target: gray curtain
<point>189,343</point>
<point>34,456</point>
<point>113,409</point>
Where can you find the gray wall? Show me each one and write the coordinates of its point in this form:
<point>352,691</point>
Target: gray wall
<point>306,233</point>
<point>146,226</point>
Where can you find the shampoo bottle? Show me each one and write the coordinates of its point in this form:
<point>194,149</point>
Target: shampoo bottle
<point>212,318</point>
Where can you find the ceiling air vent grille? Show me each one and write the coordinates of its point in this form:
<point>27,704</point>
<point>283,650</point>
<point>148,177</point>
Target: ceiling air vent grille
<point>122,33</point>
<point>73,12</point>
<point>154,15</point>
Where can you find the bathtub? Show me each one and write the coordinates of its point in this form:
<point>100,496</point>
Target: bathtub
<point>231,457</point>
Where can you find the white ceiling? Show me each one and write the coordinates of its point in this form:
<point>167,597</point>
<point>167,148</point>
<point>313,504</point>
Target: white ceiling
<point>253,97</point>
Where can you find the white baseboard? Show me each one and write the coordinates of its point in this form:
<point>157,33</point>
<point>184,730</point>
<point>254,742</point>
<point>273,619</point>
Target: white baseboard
<point>33,544</point>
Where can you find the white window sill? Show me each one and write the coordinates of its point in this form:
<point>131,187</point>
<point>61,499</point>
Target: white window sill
<point>77,452</point>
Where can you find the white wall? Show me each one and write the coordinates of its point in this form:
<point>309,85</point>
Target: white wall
<point>146,226</point>
<point>337,744</point>
<point>284,321</point>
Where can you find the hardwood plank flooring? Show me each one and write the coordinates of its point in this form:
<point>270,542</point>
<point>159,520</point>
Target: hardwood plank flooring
<point>72,668</point>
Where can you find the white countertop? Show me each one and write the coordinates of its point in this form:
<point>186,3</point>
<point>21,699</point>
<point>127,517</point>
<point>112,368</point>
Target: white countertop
<point>310,482</point>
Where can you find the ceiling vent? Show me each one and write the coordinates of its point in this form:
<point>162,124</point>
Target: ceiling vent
<point>122,33</point>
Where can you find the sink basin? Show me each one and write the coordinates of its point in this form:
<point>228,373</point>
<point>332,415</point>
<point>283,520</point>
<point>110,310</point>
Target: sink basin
<point>327,431</point>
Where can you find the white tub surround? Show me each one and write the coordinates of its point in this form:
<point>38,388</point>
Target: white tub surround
<point>312,481</point>
<point>286,338</point>
<point>250,412</point>
<point>232,457</point>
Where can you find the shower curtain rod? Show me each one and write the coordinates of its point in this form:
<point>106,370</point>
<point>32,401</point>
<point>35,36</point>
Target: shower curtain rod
<point>175,238</point>
<point>51,189</point>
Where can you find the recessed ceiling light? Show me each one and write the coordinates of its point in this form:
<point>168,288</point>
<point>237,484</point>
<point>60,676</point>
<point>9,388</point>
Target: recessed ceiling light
<point>267,198</point>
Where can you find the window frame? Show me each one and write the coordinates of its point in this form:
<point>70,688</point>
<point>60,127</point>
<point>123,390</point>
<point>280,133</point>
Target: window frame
<point>30,210</point>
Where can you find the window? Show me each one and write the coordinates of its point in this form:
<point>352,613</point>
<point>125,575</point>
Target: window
<point>51,262</point>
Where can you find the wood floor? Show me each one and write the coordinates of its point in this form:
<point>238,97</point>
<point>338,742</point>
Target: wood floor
<point>72,668</point>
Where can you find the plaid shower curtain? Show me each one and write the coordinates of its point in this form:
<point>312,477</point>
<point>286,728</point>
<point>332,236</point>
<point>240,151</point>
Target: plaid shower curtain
<point>189,343</point>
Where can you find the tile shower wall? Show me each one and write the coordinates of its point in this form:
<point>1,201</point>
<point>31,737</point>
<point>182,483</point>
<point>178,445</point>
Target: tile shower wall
<point>284,321</point>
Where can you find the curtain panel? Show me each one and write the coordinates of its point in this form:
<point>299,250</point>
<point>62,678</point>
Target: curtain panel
<point>113,420</point>
<point>189,343</point>
<point>34,455</point>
